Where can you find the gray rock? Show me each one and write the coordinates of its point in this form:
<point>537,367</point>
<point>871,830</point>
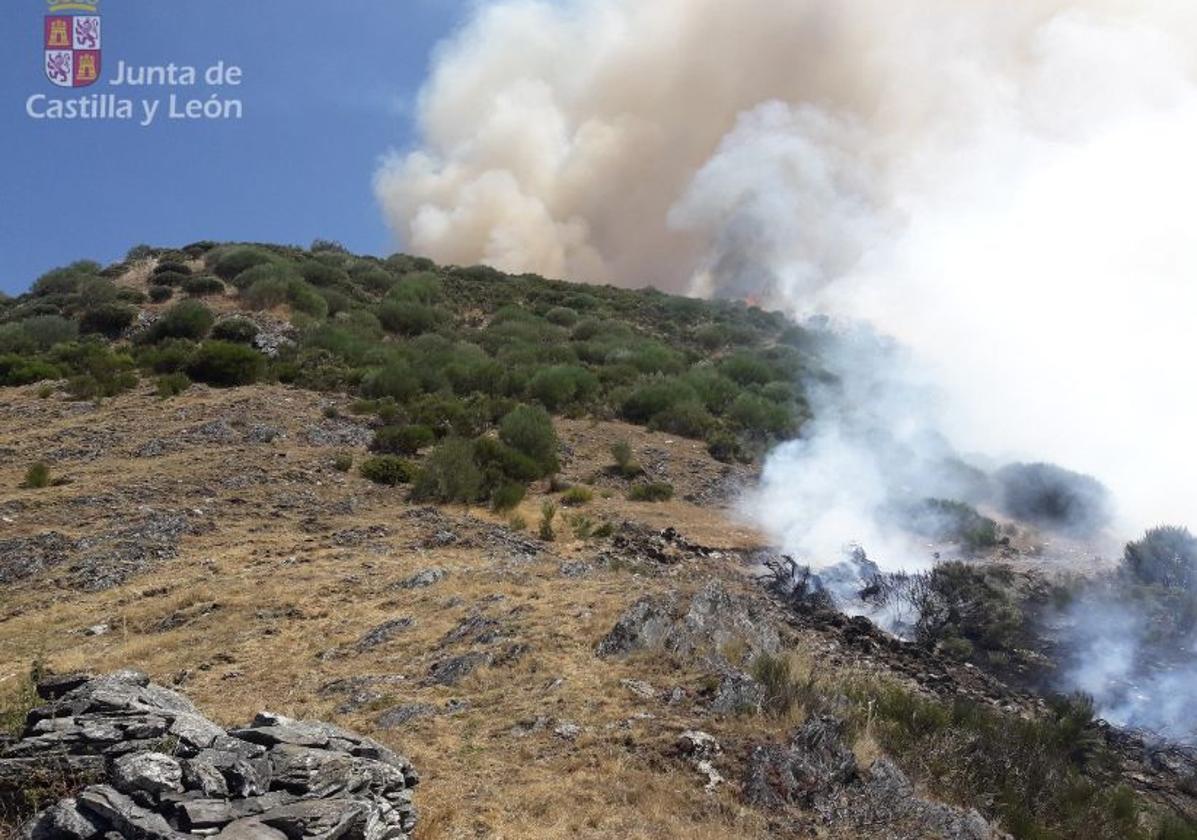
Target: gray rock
<point>737,693</point>
<point>151,772</point>
<point>63,821</point>
<point>402,715</point>
<point>383,633</point>
<point>698,745</point>
<point>122,813</point>
<point>451,671</point>
<point>425,578</point>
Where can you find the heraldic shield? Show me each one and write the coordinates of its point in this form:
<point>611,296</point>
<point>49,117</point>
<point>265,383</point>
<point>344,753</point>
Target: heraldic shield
<point>72,45</point>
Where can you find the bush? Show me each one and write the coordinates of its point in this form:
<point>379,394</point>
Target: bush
<point>388,469</point>
<point>320,274</point>
<point>941,519</point>
<point>507,496</point>
<point>186,319</point>
<point>228,263</point>
<point>64,281</point>
<point>226,365</point>
<point>561,316</point>
<point>653,491</point>
<point>40,332</point>
<point>561,385</point>
<point>410,317</point>
<point>237,330</point>
<point>160,294</point>
<point>548,512</point>
<point>1165,556</point>
<point>577,496</point>
<point>37,477</point>
<point>530,430</point>
<point>396,381</point>
<point>422,287</point>
<point>173,384</point>
<point>171,267</point>
<point>726,447</point>
<point>763,417</point>
<point>781,690</point>
<point>655,397</point>
<point>343,462</point>
<point>1047,495</point>
<point>303,298</point>
<point>688,419</point>
<point>203,286</point>
<point>266,293</point>
<point>22,370</point>
<point>625,461</point>
<point>110,319</point>
<point>450,474</point>
<point>171,279</point>
<point>402,440</point>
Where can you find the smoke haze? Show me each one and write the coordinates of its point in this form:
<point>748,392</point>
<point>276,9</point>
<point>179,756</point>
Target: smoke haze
<point>1007,187</point>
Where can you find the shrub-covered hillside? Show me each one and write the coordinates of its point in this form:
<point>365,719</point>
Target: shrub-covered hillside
<point>467,360</point>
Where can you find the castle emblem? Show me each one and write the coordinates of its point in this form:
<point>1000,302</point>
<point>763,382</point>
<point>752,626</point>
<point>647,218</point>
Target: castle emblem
<point>72,43</point>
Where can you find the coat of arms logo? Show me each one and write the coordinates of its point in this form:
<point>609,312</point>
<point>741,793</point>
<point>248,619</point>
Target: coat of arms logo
<point>72,43</point>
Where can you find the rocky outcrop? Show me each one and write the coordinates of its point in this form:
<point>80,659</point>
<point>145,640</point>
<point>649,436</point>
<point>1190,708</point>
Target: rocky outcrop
<point>817,774</point>
<point>712,622</point>
<point>139,761</point>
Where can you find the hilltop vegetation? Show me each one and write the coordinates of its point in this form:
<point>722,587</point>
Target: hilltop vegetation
<point>444,357</point>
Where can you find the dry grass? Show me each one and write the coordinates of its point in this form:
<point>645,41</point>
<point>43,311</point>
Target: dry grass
<point>240,618</point>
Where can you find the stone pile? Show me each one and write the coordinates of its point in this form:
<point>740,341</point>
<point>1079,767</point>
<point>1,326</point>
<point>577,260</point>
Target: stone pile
<point>136,760</point>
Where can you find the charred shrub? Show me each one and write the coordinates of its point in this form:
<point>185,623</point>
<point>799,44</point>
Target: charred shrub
<point>1165,556</point>
<point>1053,497</point>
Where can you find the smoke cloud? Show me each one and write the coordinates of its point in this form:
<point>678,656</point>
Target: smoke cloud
<point>1006,187</point>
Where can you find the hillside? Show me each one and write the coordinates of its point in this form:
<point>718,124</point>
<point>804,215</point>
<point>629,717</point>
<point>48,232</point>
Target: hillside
<point>489,521</point>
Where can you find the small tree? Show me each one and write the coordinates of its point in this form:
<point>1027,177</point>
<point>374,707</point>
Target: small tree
<point>530,430</point>
<point>225,364</point>
<point>1165,556</point>
<point>450,474</point>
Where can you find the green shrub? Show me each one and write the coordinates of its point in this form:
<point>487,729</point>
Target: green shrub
<point>507,496</point>
<point>134,296</point>
<point>99,371</point>
<point>343,462</point>
<point>226,365</point>
<point>173,384</point>
<point>654,397</point>
<point>169,356</point>
<point>402,440</point>
<point>319,274</point>
<point>110,319</point>
<point>422,287</point>
<point>303,298</point>
<point>581,525</point>
<point>548,512</point>
<point>237,330</point>
<point>203,286</point>
<point>160,294</point>
<point>1166,556</point>
<point>23,370</point>
<point>530,430</point>
<point>266,293</point>
<point>186,319</point>
<point>64,281</point>
<point>410,317</point>
<point>396,381</point>
<point>388,469</point>
<point>561,385</point>
<point>577,496</point>
<point>40,332</point>
<point>562,316</point>
<point>229,263</point>
<point>688,419</point>
<point>726,447</point>
<point>781,690</point>
<point>37,476</point>
<point>653,491</point>
<point>625,460</point>
<point>171,267</point>
<point>765,418</point>
<point>745,368</point>
<point>449,474</point>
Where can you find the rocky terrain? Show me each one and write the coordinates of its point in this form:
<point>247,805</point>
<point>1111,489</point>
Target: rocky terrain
<point>599,687</point>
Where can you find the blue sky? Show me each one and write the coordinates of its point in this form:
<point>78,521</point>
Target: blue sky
<point>328,88</point>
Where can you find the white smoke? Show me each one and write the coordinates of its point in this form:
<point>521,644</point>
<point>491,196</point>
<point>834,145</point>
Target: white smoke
<point>1008,187</point>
